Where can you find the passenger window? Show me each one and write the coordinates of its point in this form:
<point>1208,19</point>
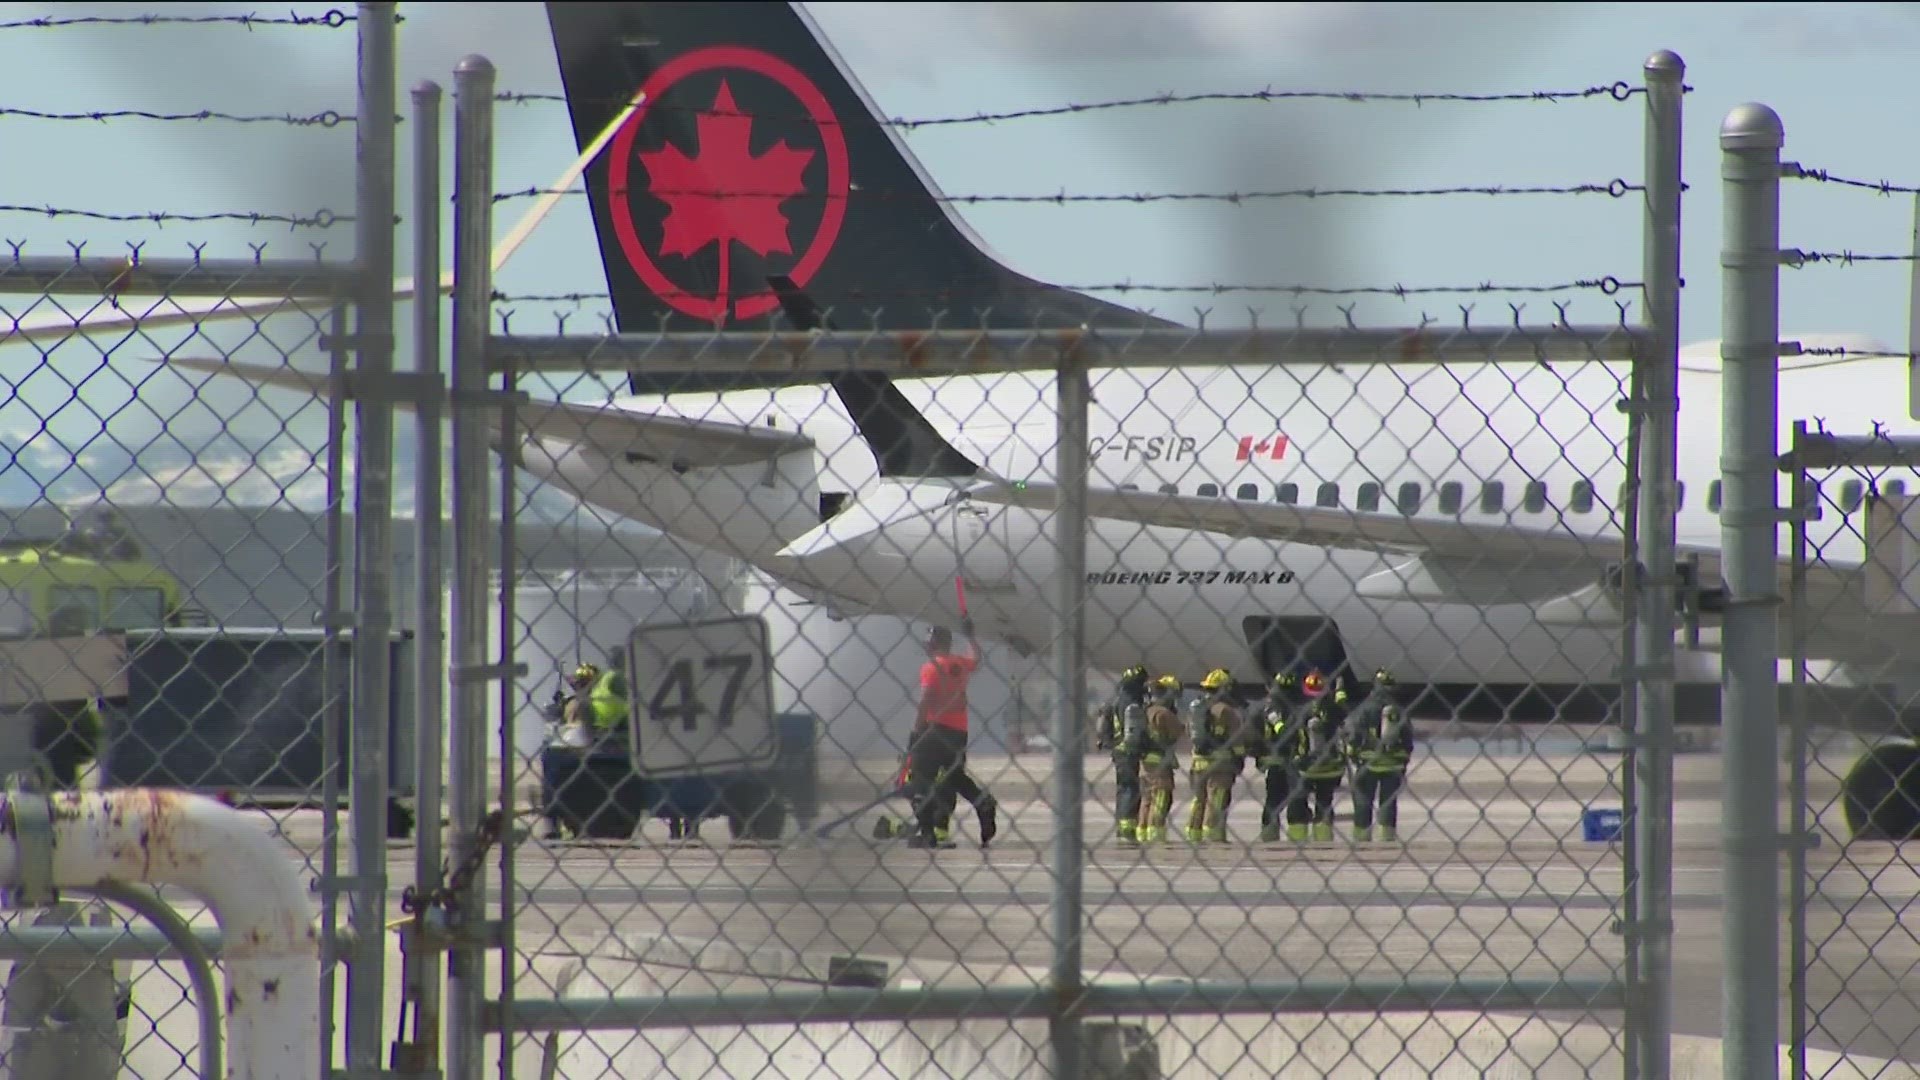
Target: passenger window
<point>1287,493</point>
<point>1851,493</point>
<point>72,609</point>
<point>1409,500</point>
<point>1896,489</point>
<point>1369,497</point>
<point>1536,497</point>
<point>1582,497</point>
<point>1129,487</point>
<point>1713,497</point>
<point>1208,491</point>
<point>1328,496</point>
<point>1169,489</point>
<point>1249,492</point>
<point>1451,494</point>
<point>1493,495</point>
<point>1680,495</point>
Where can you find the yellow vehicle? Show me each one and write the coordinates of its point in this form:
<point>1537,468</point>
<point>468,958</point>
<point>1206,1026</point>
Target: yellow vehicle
<point>65,605</point>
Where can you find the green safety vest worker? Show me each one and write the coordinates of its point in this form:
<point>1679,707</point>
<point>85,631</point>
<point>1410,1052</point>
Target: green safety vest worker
<point>607,701</point>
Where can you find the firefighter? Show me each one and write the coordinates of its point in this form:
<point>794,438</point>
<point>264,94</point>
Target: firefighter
<point>1278,751</point>
<point>1159,736</point>
<point>1218,751</point>
<point>1118,729</point>
<point>1380,738</point>
<point>1321,761</point>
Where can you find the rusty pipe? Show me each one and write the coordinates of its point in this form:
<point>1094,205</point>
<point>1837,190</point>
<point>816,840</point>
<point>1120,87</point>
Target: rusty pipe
<point>271,951</point>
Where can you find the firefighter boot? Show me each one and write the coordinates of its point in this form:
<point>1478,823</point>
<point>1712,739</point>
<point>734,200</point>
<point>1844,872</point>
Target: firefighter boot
<point>1217,819</point>
<point>1362,834</point>
<point>1388,834</point>
<point>1297,833</point>
<point>1128,832</point>
<point>1323,831</point>
<point>1269,832</point>
<point>989,814</point>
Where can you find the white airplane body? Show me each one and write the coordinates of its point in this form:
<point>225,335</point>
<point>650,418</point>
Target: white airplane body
<point>1455,522</point>
<point>1527,449</point>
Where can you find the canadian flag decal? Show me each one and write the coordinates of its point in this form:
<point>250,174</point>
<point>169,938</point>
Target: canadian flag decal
<point>1274,447</point>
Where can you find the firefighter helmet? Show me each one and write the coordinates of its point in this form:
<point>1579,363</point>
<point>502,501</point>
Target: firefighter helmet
<point>1168,682</point>
<point>1286,680</point>
<point>1314,684</point>
<point>1216,679</point>
<point>1382,677</point>
<point>585,674</point>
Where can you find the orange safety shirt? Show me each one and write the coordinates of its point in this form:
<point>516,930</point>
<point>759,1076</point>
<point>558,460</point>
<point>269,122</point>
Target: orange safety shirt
<point>943,687</point>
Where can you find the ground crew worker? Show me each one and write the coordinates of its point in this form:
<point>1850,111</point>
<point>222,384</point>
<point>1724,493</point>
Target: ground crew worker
<point>1159,736</point>
<point>1219,748</point>
<point>1117,729</point>
<point>1380,738</point>
<point>1278,751</point>
<point>1322,761</point>
<point>599,701</point>
<point>937,749</point>
<point>67,736</point>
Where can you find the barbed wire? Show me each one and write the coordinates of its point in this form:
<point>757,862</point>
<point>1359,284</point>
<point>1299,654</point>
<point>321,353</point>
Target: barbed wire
<point>332,20</point>
<point>1617,91</point>
<point>319,219</point>
<point>1607,286</point>
<point>1615,188</point>
<point>1795,258</point>
<point>327,119</point>
<point>1793,170</point>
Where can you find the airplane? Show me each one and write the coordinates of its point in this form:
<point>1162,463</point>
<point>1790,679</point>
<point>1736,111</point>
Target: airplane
<point>1458,523</point>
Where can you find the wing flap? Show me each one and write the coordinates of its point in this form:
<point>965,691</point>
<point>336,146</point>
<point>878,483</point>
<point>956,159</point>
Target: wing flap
<point>680,442</point>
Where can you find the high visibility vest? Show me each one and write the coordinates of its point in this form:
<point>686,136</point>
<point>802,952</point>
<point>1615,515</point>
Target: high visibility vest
<point>606,702</point>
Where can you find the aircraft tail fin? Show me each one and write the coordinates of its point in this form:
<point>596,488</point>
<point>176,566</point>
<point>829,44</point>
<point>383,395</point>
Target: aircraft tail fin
<point>904,442</point>
<point>756,153</point>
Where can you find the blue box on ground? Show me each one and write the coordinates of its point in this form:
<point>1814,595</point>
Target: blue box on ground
<point>1601,826</point>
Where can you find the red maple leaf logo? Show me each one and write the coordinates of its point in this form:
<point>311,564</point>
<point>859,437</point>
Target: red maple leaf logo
<point>725,194</point>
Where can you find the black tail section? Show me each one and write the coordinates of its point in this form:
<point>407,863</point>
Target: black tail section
<point>754,154</point>
<point>904,442</point>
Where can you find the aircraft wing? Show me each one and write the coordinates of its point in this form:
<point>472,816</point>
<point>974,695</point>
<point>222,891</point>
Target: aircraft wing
<point>1563,575</point>
<point>665,439</point>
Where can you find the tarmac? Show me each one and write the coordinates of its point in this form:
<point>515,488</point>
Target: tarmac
<point>1491,878</point>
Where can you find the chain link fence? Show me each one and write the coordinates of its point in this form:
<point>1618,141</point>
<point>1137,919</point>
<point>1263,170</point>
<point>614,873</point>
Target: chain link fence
<point>1328,686</point>
<point>1846,626</point>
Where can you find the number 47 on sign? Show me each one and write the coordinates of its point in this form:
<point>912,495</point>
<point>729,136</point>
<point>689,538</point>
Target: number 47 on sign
<point>702,696</point>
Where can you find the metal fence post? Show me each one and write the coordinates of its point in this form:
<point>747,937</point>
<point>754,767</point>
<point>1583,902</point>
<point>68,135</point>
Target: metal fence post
<point>420,980</point>
<point>1803,502</point>
<point>333,619</point>
<point>1070,711</point>
<point>373,534</point>
<point>467,766</point>
<point>1659,503</point>
<point>1750,141</point>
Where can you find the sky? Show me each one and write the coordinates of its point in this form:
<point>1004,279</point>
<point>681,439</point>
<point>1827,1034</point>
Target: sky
<point>98,416</point>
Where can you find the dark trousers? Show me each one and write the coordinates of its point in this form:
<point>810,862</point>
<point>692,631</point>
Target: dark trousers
<point>1126,779</point>
<point>935,764</point>
<point>1371,787</point>
<point>1321,789</point>
<point>1279,790</point>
